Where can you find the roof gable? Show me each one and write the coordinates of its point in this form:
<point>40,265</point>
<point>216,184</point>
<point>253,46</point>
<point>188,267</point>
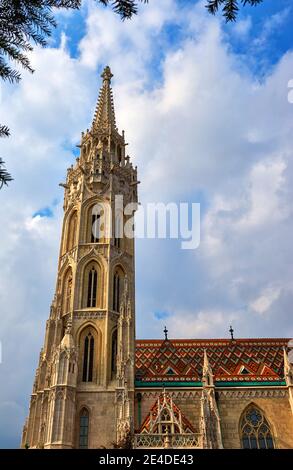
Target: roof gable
<point>162,407</point>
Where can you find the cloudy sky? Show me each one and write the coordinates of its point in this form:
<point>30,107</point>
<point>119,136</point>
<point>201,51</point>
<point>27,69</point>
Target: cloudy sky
<point>206,113</point>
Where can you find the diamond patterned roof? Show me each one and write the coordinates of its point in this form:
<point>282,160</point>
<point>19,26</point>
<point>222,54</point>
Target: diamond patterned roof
<point>231,360</point>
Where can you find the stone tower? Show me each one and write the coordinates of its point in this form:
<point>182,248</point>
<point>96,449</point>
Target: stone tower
<point>83,393</point>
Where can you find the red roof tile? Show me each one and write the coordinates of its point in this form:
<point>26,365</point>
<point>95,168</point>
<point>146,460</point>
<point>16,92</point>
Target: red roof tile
<point>237,360</point>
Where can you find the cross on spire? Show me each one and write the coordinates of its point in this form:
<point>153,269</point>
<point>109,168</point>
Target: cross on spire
<point>231,332</point>
<point>166,333</point>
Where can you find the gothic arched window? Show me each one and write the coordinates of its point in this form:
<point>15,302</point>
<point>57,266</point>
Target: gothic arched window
<point>95,237</point>
<point>117,289</point>
<point>83,429</point>
<point>96,223</point>
<point>92,287</point>
<point>71,233</point>
<point>114,353</point>
<point>255,432</point>
<point>88,358</point>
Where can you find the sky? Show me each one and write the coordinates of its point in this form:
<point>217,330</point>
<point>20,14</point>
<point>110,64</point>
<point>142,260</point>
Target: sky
<point>205,108</point>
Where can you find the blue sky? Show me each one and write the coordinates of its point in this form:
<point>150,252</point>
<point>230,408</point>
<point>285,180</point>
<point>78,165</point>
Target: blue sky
<point>205,109</point>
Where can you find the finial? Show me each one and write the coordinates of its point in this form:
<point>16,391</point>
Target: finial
<point>166,333</point>
<point>231,332</point>
<point>107,74</point>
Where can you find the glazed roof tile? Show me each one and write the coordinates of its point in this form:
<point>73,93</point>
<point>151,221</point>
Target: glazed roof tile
<point>179,360</point>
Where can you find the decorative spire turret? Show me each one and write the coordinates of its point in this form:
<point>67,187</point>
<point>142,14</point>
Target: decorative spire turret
<point>104,117</point>
<point>207,372</point>
<point>210,420</point>
<point>288,368</point>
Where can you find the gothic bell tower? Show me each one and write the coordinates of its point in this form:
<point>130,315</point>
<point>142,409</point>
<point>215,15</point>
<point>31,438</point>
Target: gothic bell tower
<point>83,393</point>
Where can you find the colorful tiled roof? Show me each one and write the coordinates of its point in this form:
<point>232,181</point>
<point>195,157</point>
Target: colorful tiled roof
<point>240,360</point>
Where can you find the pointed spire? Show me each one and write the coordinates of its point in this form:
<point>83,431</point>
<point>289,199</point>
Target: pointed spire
<point>207,373</point>
<point>104,117</point>
<point>288,368</point>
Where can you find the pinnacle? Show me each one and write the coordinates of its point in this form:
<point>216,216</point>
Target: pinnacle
<point>104,117</point>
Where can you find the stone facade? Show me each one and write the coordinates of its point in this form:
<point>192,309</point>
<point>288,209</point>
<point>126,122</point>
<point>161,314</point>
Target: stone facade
<point>95,385</point>
<point>273,402</point>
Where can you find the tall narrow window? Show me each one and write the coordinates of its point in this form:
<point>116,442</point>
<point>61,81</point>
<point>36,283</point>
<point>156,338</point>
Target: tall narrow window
<point>83,429</point>
<point>92,288</point>
<point>118,230</point>
<point>71,234</point>
<point>95,229</point>
<point>88,358</point>
<point>114,353</point>
<point>96,221</point>
<point>116,292</point>
<point>255,432</point>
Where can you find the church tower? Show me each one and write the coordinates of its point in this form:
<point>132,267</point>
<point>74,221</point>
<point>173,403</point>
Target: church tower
<point>83,393</point>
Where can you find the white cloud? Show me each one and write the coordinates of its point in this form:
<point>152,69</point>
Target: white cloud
<point>265,206</point>
<point>203,324</point>
<point>262,304</point>
<point>242,28</point>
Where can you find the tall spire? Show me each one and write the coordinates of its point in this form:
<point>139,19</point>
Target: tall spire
<point>207,373</point>
<point>104,117</point>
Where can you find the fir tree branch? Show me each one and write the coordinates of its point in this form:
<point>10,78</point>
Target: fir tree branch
<point>230,8</point>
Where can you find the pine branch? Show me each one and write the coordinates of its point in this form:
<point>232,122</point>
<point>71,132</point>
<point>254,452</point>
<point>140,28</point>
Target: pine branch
<point>4,131</point>
<point>230,8</point>
<point>5,177</point>
<point>26,21</point>
<point>7,73</point>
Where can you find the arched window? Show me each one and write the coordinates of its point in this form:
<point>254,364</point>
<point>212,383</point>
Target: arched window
<point>95,235</point>
<point>83,429</point>
<point>88,358</point>
<point>255,432</point>
<point>114,353</point>
<point>71,233</point>
<point>117,289</point>
<point>96,223</point>
<point>92,287</point>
